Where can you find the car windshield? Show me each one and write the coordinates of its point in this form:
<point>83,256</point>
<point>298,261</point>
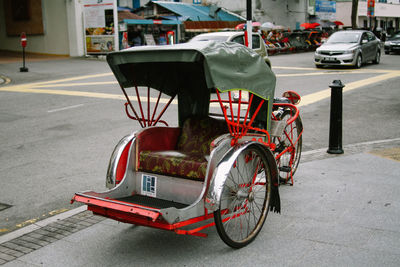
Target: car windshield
<point>209,38</point>
<point>344,37</point>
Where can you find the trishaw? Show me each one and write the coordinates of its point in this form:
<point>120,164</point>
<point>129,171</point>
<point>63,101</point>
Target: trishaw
<point>216,168</point>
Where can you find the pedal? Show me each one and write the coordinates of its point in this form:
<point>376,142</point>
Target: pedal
<point>285,169</point>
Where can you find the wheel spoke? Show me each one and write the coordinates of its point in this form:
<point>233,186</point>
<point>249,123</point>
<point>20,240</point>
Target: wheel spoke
<point>245,198</point>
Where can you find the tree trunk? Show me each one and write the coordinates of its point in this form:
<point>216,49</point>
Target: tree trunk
<point>354,9</point>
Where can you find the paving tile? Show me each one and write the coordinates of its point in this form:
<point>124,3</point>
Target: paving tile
<point>17,247</point>
<point>11,252</point>
<point>56,230</point>
<point>83,223</point>
<point>37,241</point>
<point>26,244</point>
<point>6,257</point>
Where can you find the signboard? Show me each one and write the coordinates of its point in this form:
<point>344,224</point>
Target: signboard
<point>23,39</point>
<point>325,10</point>
<point>101,26</point>
<point>149,39</point>
<point>371,8</point>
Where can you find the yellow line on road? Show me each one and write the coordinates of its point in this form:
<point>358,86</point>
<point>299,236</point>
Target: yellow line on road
<point>71,79</point>
<point>25,89</point>
<point>82,94</point>
<point>318,96</point>
<point>306,100</point>
<point>74,84</point>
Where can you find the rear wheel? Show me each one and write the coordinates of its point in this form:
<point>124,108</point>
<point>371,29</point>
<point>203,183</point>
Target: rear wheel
<point>245,199</point>
<point>287,148</point>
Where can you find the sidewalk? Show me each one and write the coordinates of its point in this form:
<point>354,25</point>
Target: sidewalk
<point>11,56</point>
<point>341,211</point>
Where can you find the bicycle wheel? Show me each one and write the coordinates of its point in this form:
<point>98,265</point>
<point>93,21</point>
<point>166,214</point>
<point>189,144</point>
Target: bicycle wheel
<point>245,199</point>
<point>287,148</point>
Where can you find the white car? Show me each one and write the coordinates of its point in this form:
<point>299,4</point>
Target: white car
<point>258,44</point>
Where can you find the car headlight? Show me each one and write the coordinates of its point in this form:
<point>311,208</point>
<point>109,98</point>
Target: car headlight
<point>352,51</point>
<point>317,52</point>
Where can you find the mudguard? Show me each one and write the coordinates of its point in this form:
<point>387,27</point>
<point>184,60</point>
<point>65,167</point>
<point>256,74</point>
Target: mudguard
<point>221,172</point>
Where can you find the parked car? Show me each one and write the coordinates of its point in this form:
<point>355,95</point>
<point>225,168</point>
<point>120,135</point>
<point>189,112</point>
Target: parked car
<point>392,44</point>
<point>349,48</point>
<point>258,44</point>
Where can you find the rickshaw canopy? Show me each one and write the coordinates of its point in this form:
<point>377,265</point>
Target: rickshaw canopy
<point>195,68</point>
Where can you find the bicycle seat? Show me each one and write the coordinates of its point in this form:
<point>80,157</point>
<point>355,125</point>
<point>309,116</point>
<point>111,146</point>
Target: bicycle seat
<point>281,100</point>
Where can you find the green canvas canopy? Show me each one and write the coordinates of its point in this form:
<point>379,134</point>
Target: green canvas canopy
<point>197,68</point>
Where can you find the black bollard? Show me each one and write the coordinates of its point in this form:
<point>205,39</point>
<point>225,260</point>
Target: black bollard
<point>335,127</point>
<point>23,68</point>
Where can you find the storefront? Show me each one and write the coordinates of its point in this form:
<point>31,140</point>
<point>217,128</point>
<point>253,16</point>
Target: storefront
<point>138,32</point>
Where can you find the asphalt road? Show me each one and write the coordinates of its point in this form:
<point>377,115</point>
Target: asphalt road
<point>62,119</point>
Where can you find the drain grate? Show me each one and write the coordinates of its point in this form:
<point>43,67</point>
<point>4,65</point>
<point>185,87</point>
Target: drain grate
<point>4,206</point>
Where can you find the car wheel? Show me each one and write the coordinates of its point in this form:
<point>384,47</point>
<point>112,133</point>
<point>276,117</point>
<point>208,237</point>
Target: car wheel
<point>318,66</point>
<point>358,63</point>
<point>377,57</point>
<point>387,52</point>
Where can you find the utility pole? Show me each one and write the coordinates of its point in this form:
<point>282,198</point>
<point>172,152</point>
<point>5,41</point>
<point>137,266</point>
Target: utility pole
<point>354,13</point>
<point>249,24</point>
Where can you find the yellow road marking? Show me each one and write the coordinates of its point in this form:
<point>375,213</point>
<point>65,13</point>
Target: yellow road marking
<point>318,96</point>
<point>306,100</point>
<point>6,81</point>
<point>72,79</point>
<point>84,94</point>
<point>74,84</point>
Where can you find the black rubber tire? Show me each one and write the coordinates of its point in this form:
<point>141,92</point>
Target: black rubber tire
<point>319,66</point>
<point>358,63</point>
<point>293,130</point>
<point>251,168</point>
<point>377,57</point>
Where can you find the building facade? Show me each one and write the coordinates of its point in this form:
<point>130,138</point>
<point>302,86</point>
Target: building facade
<point>386,17</point>
<point>288,13</point>
<point>56,26</point>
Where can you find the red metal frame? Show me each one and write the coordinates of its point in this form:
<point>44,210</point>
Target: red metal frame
<point>292,148</point>
<point>238,129</point>
<point>142,215</point>
<point>144,120</point>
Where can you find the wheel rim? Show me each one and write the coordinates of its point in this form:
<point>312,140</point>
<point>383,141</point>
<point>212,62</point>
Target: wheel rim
<point>289,160</point>
<point>359,61</point>
<point>245,199</point>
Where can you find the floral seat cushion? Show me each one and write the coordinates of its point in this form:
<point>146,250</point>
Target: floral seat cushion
<point>174,163</point>
<point>189,158</point>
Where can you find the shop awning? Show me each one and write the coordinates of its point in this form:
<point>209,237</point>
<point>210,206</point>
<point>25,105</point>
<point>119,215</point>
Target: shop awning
<point>199,12</point>
<point>151,21</point>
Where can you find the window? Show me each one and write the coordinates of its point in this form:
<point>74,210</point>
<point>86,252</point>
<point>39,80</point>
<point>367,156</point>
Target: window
<point>239,40</point>
<point>196,1</point>
<point>256,41</point>
<point>364,37</point>
<point>371,36</point>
